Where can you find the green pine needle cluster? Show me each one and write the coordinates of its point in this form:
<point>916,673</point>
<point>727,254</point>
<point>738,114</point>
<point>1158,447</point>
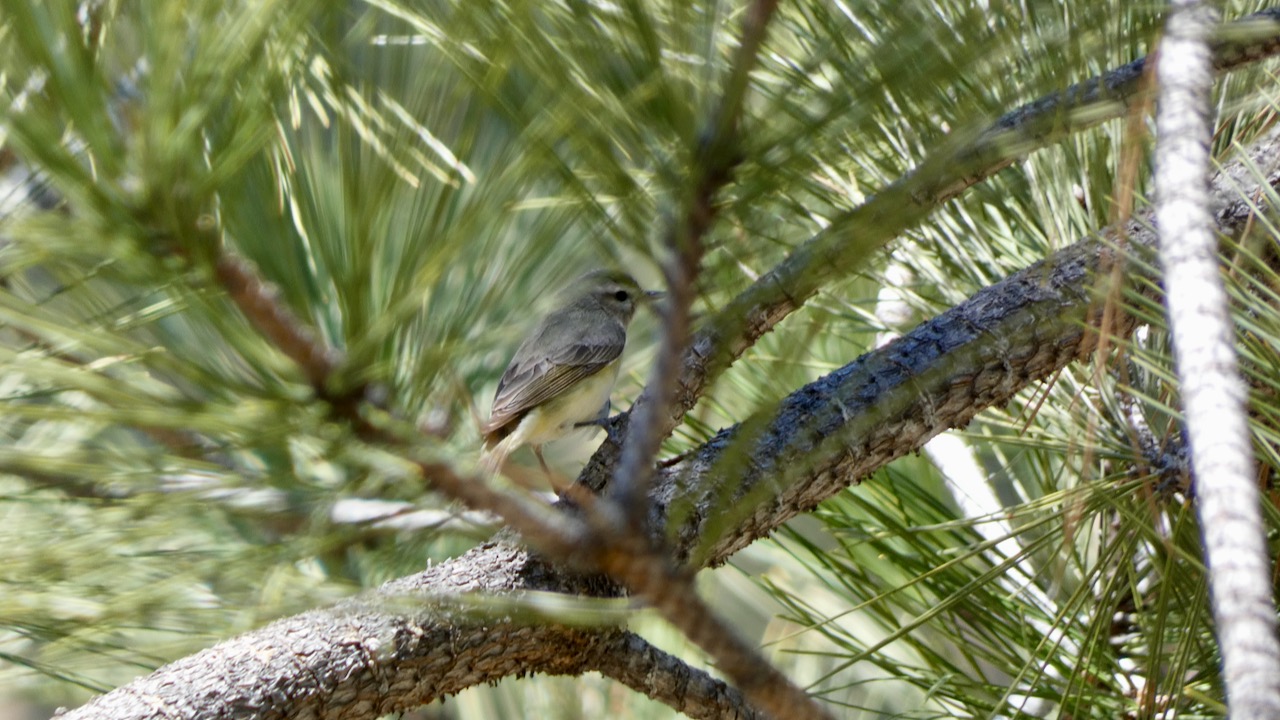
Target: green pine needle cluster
<point>415,177</point>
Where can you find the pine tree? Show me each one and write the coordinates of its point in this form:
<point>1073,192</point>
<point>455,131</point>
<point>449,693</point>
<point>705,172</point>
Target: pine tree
<point>263,263</point>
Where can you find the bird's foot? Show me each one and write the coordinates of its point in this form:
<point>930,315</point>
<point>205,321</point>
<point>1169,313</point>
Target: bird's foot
<point>612,426</point>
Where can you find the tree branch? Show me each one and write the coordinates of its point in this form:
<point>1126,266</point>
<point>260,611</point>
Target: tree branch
<point>390,651</point>
<point>714,162</point>
<point>1214,397</point>
<point>824,437</point>
<point>631,553</point>
<point>870,416</point>
<point>646,669</point>
<point>961,163</point>
<point>260,303</point>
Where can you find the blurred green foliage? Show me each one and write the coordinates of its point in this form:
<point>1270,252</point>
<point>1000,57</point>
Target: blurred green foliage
<point>415,176</point>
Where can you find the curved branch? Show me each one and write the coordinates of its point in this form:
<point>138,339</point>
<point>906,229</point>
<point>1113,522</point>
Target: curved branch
<point>390,651</point>
<point>629,552</point>
<point>369,656</point>
<point>663,677</point>
<point>960,164</point>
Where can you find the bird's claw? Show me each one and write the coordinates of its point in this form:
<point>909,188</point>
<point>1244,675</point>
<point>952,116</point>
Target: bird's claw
<point>610,425</point>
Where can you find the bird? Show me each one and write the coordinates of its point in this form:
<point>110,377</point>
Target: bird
<point>561,376</point>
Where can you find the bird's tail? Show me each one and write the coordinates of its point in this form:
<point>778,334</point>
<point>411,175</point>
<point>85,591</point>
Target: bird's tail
<point>494,457</point>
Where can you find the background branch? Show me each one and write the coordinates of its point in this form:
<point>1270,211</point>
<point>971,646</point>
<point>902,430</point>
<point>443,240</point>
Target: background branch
<point>646,669</point>
<point>1214,397</point>
<point>263,306</point>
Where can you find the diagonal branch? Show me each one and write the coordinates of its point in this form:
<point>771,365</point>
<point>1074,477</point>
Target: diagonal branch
<point>638,558</point>
<point>862,416</point>
<point>962,163</point>
<point>646,669</point>
<point>1214,397</point>
<point>671,591</point>
<point>382,653</point>
<point>824,437</point>
<point>714,162</point>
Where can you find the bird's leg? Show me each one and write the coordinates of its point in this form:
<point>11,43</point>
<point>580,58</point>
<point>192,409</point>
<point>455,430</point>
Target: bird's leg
<point>613,429</point>
<point>537,450</point>
<point>606,421</point>
<point>559,484</point>
<point>608,424</point>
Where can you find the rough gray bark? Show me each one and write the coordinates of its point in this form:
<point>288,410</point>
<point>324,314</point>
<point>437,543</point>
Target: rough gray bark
<point>1213,395</point>
<point>408,643</point>
<point>382,652</point>
<point>960,164</point>
<point>645,669</point>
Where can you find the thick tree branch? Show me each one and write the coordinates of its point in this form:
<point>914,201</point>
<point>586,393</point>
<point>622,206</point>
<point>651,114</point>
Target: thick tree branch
<point>646,669</point>
<point>385,656</point>
<point>303,662</point>
<point>941,374</point>
<point>960,164</point>
<point>365,657</point>
<point>413,641</point>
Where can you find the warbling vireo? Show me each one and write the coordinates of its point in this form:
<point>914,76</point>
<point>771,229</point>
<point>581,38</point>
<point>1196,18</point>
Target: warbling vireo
<point>563,372</point>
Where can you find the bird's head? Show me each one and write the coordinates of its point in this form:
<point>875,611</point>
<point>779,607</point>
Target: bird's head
<point>615,291</point>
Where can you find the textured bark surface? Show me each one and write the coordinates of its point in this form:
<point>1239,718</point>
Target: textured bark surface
<point>846,425</point>
<point>1214,398</point>
<point>415,639</point>
<point>411,641</point>
<point>945,174</point>
<point>665,678</point>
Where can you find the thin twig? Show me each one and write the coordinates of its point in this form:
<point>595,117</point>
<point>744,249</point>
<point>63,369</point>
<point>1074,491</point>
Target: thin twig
<point>260,302</point>
<point>653,576</point>
<point>717,155</point>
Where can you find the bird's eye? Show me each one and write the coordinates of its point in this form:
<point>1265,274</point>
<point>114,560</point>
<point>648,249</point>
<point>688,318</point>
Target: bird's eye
<point>621,296</point>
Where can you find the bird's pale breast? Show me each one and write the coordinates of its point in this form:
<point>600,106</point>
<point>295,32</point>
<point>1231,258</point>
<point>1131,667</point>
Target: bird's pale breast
<point>583,402</point>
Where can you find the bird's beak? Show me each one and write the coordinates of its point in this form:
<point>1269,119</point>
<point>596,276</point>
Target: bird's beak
<point>654,295</point>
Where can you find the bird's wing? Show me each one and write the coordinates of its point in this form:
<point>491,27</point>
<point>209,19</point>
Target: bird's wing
<point>552,360</point>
